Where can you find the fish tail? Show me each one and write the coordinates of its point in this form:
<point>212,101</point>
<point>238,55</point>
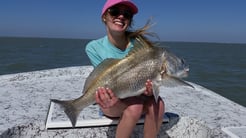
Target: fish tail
<point>71,111</point>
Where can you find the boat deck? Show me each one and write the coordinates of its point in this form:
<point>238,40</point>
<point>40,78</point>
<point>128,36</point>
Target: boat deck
<point>25,99</point>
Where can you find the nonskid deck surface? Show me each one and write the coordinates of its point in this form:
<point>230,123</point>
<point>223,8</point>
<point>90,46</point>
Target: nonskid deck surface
<point>25,100</point>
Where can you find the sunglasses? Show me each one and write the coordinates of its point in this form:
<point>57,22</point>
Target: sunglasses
<point>114,11</point>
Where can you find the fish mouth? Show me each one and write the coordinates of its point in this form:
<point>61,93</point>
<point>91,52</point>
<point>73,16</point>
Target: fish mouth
<point>186,69</point>
<point>184,73</point>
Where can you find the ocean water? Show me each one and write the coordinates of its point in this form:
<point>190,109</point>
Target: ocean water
<point>216,66</point>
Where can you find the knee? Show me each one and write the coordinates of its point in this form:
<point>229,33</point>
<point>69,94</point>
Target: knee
<point>156,109</point>
<point>134,111</point>
<point>161,111</point>
<point>162,105</point>
<point>161,108</point>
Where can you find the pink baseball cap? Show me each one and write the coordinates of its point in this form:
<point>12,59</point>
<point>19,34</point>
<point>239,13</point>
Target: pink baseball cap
<point>128,3</point>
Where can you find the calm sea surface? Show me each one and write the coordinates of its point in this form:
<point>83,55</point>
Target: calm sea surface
<point>218,67</point>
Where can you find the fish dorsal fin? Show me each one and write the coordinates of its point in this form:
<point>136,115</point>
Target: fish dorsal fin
<point>104,65</point>
<point>140,44</point>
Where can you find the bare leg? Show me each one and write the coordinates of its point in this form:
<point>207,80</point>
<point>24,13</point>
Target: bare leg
<point>130,111</point>
<point>128,121</point>
<point>153,117</point>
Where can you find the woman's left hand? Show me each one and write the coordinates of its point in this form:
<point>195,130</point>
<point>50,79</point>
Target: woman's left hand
<point>149,90</point>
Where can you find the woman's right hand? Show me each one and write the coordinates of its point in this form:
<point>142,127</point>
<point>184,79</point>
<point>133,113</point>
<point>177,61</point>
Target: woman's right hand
<point>105,97</point>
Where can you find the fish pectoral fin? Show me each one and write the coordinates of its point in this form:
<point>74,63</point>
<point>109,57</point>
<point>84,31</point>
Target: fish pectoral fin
<point>169,81</point>
<point>156,91</point>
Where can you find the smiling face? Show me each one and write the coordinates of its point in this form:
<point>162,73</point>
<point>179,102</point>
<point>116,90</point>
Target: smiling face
<point>117,18</point>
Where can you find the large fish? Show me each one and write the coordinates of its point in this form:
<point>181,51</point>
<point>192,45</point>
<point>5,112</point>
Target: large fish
<point>126,77</point>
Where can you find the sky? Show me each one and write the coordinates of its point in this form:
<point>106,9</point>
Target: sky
<point>222,21</point>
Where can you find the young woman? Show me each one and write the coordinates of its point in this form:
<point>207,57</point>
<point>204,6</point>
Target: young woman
<point>117,16</point>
